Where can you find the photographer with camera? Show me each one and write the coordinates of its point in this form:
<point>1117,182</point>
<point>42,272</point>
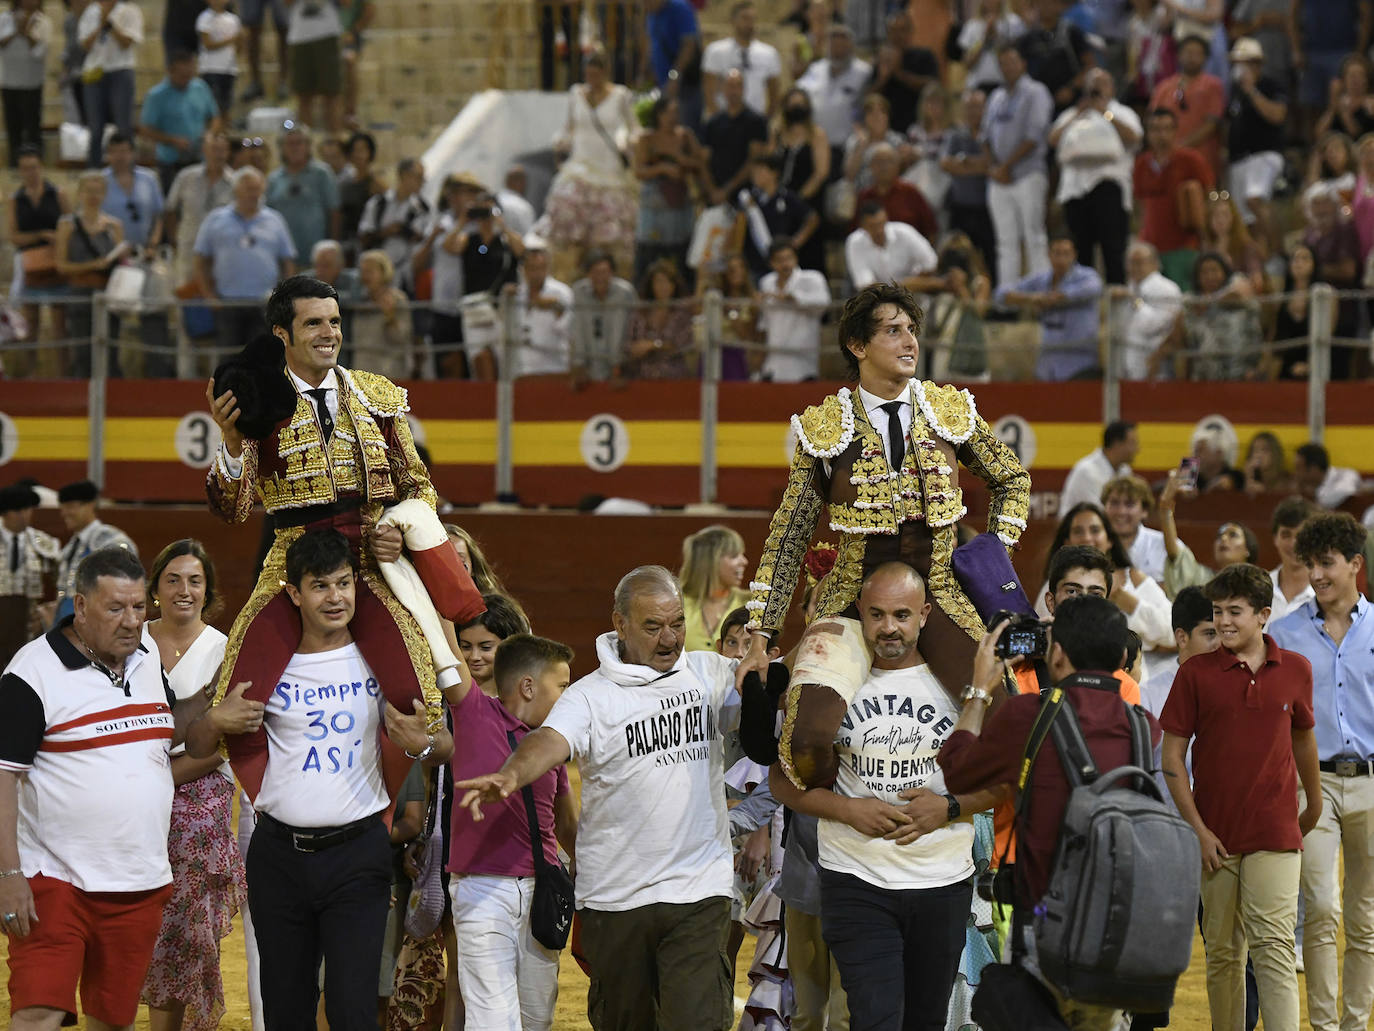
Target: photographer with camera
<point>1087,644</point>
<point>1095,142</point>
<point>1075,570</point>
<point>490,254</point>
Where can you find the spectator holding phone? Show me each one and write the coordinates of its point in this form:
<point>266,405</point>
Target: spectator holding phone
<point>1234,542</point>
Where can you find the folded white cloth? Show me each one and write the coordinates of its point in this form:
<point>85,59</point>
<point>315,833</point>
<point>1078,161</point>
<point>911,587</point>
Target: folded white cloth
<point>422,530</point>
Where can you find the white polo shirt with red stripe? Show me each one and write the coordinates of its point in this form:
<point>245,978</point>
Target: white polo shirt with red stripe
<point>95,792</point>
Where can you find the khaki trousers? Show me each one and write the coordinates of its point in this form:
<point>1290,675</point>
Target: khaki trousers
<point>819,1002</point>
<point>1252,899</point>
<point>1346,829</point>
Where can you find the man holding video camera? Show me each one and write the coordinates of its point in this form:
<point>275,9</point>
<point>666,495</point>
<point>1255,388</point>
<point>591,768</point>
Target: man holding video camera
<point>1085,647</point>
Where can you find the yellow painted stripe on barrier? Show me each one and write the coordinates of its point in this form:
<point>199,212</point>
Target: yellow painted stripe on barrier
<point>461,441</point>
<point>52,439</point>
<point>1162,444</point>
<point>136,439</point>
<point>664,442</point>
<point>1351,446</point>
<point>653,442</point>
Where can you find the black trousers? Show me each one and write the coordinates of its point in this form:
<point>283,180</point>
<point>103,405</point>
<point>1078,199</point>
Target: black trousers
<point>236,325</point>
<point>23,120</point>
<point>312,906</point>
<point>897,950</point>
<point>1097,220</point>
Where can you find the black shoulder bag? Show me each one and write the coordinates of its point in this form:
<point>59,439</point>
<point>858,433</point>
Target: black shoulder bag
<point>551,909</point>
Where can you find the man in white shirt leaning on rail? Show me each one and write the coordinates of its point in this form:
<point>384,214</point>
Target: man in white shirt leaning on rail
<point>794,302</point>
<point>654,864</point>
<point>880,251</point>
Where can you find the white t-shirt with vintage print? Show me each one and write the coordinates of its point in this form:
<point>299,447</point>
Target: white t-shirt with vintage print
<point>887,743</point>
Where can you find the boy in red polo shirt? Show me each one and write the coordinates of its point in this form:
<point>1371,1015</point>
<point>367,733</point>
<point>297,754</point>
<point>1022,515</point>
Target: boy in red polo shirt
<point>1248,705</point>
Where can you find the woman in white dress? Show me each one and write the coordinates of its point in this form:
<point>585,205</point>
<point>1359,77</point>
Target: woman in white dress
<point>592,202</point>
<point>183,988</point>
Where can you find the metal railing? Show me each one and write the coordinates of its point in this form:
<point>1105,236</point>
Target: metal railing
<point>1009,349</point>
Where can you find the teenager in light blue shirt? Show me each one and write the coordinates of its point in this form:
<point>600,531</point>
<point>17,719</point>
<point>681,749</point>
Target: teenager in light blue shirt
<point>1335,631</point>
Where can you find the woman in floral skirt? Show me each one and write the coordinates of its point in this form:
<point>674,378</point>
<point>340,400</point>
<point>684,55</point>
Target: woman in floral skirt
<point>184,989</point>
<point>592,202</point>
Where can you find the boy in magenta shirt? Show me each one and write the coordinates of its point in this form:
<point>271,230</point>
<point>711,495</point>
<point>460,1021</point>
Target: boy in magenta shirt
<point>507,978</point>
<point>1248,708</point>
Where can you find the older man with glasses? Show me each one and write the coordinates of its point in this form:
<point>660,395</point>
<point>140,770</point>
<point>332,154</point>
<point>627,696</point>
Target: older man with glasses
<point>132,194</point>
<point>304,191</point>
<point>242,250</point>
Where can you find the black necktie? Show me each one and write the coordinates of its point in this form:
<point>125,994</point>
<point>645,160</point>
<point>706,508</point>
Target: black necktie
<point>14,553</point>
<point>326,420</point>
<point>896,439</point>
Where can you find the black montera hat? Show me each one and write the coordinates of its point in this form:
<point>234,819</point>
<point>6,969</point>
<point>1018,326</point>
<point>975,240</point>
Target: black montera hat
<point>257,377</point>
<point>17,497</point>
<point>82,490</point>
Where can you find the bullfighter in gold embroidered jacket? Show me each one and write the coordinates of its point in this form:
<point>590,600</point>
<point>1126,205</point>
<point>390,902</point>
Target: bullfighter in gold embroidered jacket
<point>908,513</point>
<point>319,461</point>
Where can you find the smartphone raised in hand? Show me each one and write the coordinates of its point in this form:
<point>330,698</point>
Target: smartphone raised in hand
<point>1187,474</point>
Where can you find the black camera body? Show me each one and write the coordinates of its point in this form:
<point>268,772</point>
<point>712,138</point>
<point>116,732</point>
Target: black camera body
<point>1025,637</point>
<point>996,885</point>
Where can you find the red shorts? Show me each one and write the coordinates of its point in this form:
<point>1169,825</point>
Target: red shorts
<point>102,940</point>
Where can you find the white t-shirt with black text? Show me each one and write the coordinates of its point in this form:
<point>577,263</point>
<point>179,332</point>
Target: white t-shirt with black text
<point>887,743</point>
<point>324,755</point>
<point>648,747</point>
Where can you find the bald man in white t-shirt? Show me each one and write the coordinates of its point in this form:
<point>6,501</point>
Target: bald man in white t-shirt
<point>896,849</point>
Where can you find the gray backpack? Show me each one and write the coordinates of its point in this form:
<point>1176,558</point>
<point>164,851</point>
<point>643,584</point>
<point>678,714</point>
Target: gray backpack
<point>1115,926</point>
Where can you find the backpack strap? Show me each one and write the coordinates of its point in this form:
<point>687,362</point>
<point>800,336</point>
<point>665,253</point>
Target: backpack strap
<point>1079,766</point>
<point>1050,702</point>
<point>1142,747</point>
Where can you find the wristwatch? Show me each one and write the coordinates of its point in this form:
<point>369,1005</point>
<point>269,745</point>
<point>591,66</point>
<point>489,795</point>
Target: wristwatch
<point>972,693</point>
<point>426,753</point>
<point>955,810</point>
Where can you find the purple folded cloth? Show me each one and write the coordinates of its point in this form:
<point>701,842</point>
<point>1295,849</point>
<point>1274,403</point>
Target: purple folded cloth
<point>984,570</point>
